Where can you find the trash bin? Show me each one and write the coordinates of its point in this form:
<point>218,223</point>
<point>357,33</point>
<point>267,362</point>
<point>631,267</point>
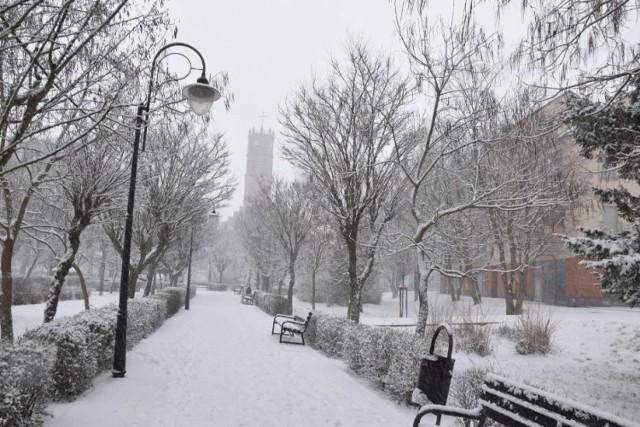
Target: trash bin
<point>436,370</point>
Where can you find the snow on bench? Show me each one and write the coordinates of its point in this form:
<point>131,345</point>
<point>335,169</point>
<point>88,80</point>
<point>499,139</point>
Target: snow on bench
<point>519,405</point>
<point>290,326</point>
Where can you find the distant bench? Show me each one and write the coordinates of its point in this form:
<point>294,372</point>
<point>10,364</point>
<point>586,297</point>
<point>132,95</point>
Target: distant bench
<point>517,405</point>
<point>290,325</point>
<point>246,298</point>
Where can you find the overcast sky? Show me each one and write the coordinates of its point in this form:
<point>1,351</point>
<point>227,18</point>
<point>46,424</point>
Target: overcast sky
<point>269,47</point>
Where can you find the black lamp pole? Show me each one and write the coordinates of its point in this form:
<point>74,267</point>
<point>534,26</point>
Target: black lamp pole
<point>202,92</point>
<point>188,297</point>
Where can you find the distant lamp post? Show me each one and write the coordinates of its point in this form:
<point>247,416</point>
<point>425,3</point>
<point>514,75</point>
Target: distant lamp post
<point>187,298</point>
<point>200,97</point>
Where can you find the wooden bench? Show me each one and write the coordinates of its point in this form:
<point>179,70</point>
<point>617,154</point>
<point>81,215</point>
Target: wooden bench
<point>246,299</point>
<point>518,405</point>
<point>290,325</point>
<point>238,290</point>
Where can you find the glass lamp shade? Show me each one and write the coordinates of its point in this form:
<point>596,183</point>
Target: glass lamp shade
<point>200,97</point>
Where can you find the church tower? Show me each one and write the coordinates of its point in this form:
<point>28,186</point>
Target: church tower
<point>259,161</point>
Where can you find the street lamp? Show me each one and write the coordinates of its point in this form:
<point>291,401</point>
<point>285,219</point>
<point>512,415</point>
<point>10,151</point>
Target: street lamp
<point>200,96</point>
<point>187,298</point>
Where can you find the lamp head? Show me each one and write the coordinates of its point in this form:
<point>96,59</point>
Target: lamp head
<point>201,95</point>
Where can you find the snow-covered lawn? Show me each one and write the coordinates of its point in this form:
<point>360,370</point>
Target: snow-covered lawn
<point>595,357</point>
<point>218,365</point>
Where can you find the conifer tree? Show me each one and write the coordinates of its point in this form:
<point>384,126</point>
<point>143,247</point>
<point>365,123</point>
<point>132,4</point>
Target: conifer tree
<point>611,131</point>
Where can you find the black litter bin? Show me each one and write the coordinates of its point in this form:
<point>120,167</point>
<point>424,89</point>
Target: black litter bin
<point>436,371</point>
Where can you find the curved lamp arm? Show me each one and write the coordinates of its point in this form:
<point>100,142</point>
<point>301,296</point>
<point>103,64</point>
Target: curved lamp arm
<point>202,81</point>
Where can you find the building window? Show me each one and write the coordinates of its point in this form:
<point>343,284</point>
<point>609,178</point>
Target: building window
<point>610,217</point>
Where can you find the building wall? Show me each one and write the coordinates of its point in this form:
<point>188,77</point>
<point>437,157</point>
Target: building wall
<point>259,161</point>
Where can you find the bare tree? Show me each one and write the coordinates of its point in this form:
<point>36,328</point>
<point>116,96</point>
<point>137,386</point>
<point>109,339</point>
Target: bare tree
<point>567,35</point>
<point>284,211</point>
<point>64,66</point>
<point>88,181</point>
<point>186,175</point>
<point>451,62</point>
<point>340,134</point>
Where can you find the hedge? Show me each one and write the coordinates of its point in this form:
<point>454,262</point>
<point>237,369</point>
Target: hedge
<point>59,360</point>
<point>271,303</point>
<point>389,358</point>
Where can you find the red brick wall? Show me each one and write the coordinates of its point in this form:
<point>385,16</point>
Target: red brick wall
<point>493,284</point>
<point>579,281</point>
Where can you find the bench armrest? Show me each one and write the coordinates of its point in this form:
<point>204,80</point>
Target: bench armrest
<point>452,411</point>
<point>286,316</point>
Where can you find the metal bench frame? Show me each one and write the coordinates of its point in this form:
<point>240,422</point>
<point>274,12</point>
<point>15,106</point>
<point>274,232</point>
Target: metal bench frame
<point>518,405</point>
<point>290,325</point>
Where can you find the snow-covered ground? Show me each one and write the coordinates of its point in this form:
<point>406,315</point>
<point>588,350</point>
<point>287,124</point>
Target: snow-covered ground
<point>218,365</point>
<point>595,358</point>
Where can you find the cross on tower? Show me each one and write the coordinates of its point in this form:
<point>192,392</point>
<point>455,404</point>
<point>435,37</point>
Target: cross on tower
<point>262,121</point>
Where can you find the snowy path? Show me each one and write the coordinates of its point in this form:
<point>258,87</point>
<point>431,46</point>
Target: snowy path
<point>218,365</point>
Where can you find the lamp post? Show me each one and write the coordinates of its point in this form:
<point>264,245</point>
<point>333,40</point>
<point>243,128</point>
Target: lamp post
<point>187,298</point>
<point>200,97</point>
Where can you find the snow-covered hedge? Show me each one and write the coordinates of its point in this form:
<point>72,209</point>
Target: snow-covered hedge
<point>24,382</point>
<point>271,303</point>
<point>387,357</point>
<point>59,360</point>
<point>174,298</point>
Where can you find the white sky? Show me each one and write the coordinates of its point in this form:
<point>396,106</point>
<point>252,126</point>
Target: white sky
<point>269,48</point>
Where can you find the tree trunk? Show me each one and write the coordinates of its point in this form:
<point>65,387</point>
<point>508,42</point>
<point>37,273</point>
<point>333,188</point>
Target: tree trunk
<point>313,289</point>
<point>6,320</point>
<point>521,292</point>
<point>416,283</point>
<point>103,266</point>
<point>151,271</point>
<point>292,282</point>
<point>134,273</point>
<point>474,290</point>
<point>61,271</point>
<point>113,282</point>
<point>31,267</point>
<point>423,311</point>
<point>221,276</point>
<point>353,309</point>
<point>83,286</point>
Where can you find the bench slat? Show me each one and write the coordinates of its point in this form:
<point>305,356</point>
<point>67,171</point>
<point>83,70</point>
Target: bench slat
<point>541,407</point>
<point>519,405</point>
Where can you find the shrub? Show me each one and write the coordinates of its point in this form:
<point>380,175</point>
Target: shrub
<point>24,383</point>
<point>217,287</point>
<point>84,342</point>
<point>271,303</point>
<point>404,366</point>
<point>75,365</point>
<point>387,357</point>
<point>506,330</point>
<point>144,315</point>
<point>36,289</point>
<point>466,388</point>
<point>534,331</point>
<point>332,335</point>
<point>174,298</point>
<point>101,332</point>
<point>474,335</point>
